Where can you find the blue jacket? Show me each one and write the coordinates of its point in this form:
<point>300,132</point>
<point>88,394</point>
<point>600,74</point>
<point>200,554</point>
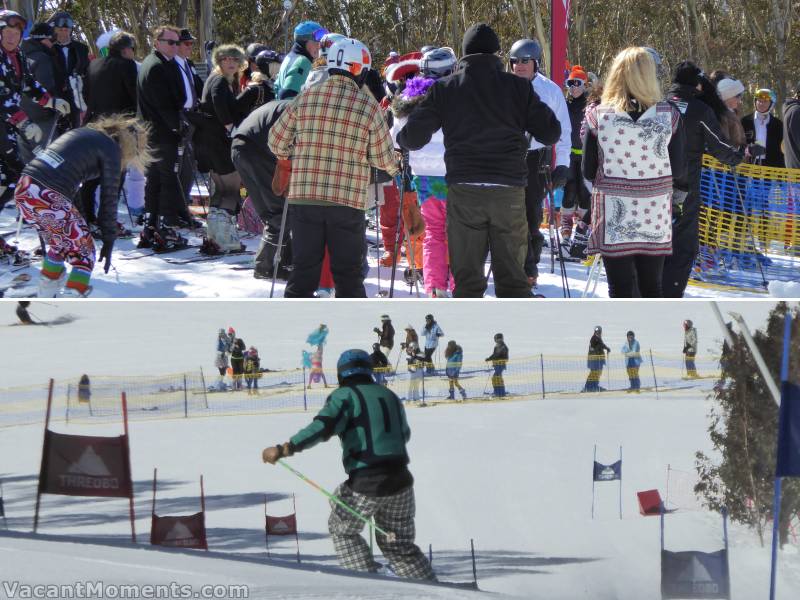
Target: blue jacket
<point>632,354</point>
<point>453,368</point>
<point>432,335</point>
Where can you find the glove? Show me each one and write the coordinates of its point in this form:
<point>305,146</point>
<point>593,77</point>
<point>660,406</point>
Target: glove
<point>376,330</point>
<point>756,150</point>
<point>31,131</point>
<point>105,252</point>
<point>272,454</point>
<point>58,104</point>
<point>560,176</point>
<point>402,345</point>
<point>283,174</point>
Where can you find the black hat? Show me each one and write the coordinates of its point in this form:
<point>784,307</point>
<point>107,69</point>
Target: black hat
<point>186,36</point>
<point>480,39</point>
<point>498,336</point>
<point>687,73</point>
<point>41,31</point>
<point>429,317</point>
<point>631,334</point>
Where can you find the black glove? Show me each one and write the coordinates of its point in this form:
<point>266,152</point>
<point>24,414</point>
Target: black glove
<point>105,252</point>
<point>376,330</point>
<point>756,150</point>
<point>560,176</point>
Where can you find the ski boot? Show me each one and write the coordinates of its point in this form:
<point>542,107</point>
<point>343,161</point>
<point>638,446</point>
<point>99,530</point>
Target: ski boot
<point>408,276</point>
<point>13,256</point>
<point>451,395</point>
<point>49,288</point>
<point>161,240</point>
<point>387,260</point>
<point>463,393</point>
<point>222,230</point>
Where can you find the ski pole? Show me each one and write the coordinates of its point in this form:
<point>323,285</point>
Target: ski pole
<point>400,188</point>
<point>377,227</point>
<point>391,537</point>
<point>276,260</point>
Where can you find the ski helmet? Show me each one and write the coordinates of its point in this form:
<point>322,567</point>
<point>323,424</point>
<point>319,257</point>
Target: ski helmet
<point>385,318</point>
<point>62,19</point>
<point>429,317</point>
<point>309,31</point>
<point>598,329</point>
<point>630,334</point>
<point>498,337</point>
<point>328,40</point>
<point>525,50</point>
<point>11,18</point>
<point>427,48</point>
<point>349,57</point>
<point>254,49</point>
<point>267,57</point>
<point>766,94</point>
<point>438,62</point>
<point>376,346</point>
<point>353,362</point>
<point>688,324</point>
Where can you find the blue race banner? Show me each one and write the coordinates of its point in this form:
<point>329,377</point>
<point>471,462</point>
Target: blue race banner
<point>788,460</point>
<point>610,472</point>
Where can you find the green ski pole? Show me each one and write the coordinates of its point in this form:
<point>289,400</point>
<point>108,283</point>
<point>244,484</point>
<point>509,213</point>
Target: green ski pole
<point>390,537</point>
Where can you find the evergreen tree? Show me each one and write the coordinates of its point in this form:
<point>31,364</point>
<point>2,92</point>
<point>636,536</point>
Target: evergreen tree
<point>743,430</point>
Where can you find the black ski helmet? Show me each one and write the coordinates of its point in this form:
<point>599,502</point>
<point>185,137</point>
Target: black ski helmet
<point>630,334</point>
<point>265,58</point>
<point>688,324</point>
<point>598,329</point>
<point>353,362</point>
<point>498,337</point>
<point>429,317</point>
<point>62,19</point>
<point>527,48</point>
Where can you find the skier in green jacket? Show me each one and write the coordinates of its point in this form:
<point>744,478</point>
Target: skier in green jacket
<point>297,65</point>
<point>371,424</point>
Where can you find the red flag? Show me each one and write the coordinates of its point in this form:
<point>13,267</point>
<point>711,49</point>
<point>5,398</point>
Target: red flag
<point>559,33</point>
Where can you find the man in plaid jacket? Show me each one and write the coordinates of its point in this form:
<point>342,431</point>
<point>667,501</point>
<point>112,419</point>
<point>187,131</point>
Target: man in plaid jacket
<point>328,139</point>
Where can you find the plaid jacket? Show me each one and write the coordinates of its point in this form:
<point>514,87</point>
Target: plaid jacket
<point>333,132</point>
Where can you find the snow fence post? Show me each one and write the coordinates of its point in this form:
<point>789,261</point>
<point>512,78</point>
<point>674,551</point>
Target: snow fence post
<point>541,360</point>
<point>474,569</point>
<point>185,399</point>
<point>653,366</point>
<point>205,389</point>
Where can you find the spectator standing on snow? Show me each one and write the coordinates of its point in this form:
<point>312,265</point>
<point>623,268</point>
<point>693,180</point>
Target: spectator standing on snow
<point>595,361</point>
<point>690,348</point>
<point>386,334</point>
<point>221,358</point>
<point>380,364</point>
<point>455,356</point>
<point>633,359</point>
<point>499,361</point>
<point>431,332</point>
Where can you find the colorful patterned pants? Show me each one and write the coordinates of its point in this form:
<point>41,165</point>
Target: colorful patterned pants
<point>63,229</point>
<point>394,514</point>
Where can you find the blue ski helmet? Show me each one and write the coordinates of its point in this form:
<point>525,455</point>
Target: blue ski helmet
<point>353,362</point>
<point>309,31</point>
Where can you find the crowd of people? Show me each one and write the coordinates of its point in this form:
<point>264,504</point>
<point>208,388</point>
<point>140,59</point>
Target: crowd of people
<point>236,361</point>
<point>461,156</point>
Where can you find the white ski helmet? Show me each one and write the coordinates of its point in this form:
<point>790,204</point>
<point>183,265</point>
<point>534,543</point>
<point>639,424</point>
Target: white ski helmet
<point>438,62</point>
<point>328,40</point>
<point>349,55</point>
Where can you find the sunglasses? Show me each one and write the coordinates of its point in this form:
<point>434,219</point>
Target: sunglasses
<point>188,42</point>
<point>169,42</point>
<point>522,61</point>
<point>575,83</point>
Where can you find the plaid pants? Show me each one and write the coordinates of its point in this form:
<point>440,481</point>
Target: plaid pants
<point>394,514</point>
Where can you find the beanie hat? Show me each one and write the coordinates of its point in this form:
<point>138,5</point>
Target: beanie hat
<point>728,88</point>
<point>578,72</point>
<point>480,39</point>
<point>687,73</point>
<point>41,31</point>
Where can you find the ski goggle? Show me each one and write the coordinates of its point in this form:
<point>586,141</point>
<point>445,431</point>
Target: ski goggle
<point>575,82</point>
<point>63,22</point>
<point>763,95</point>
<point>521,61</point>
<point>320,33</point>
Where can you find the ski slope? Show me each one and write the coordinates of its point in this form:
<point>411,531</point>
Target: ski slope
<point>512,476</point>
<point>139,274</point>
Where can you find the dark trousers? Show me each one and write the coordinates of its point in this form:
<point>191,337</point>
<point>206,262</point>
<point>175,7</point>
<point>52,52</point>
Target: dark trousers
<point>534,211</point>
<point>480,219</point>
<point>575,193</point>
<point>691,368</point>
<point>257,170</point>
<point>429,369</point>
<point>162,194</point>
<point>685,246</point>
<point>342,229</point>
<point>624,272</point>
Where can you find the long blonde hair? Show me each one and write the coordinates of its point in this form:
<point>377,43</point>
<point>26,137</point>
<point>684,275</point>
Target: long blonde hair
<point>632,75</point>
<point>130,134</point>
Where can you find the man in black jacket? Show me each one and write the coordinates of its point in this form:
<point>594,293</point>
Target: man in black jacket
<point>72,58</point>
<point>256,164</point>
<point>484,114</point>
<point>791,130</point>
<point>38,49</point>
<point>386,334</point>
<point>703,134</point>
<point>765,129</point>
<point>110,83</point>
<point>161,99</point>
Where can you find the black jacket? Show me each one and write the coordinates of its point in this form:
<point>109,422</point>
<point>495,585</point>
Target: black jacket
<point>386,333</point>
<point>78,156</point>
<point>703,133</point>
<point>161,95</point>
<point>76,63</point>
<point>597,346</point>
<point>41,64</point>
<point>576,108</point>
<point>484,114</point>
<point>378,359</point>
<point>774,155</point>
<point>791,133</point>
<point>253,132</point>
<point>500,353</point>
<point>110,86</point>
<point>214,143</point>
